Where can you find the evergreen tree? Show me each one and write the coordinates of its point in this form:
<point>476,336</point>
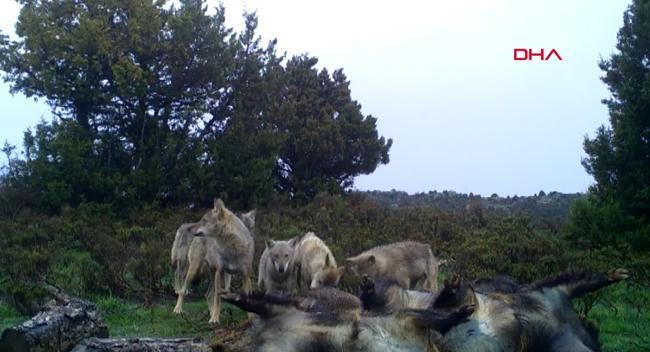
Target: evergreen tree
<point>328,139</point>
<point>618,157</point>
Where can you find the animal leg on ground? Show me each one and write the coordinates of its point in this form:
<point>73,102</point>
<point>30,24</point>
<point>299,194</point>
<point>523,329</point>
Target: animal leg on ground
<point>214,298</point>
<point>178,309</point>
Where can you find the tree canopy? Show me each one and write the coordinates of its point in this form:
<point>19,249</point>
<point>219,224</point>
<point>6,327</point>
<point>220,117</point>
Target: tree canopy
<point>165,103</point>
<point>618,156</point>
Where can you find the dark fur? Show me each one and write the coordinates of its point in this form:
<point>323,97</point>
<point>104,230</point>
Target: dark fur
<point>544,318</point>
<point>284,328</point>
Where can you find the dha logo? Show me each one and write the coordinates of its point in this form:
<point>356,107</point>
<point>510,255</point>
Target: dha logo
<point>529,55</point>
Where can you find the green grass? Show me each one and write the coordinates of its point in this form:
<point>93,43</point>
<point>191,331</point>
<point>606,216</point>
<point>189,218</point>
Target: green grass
<point>125,318</point>
<point>9,317</point>
<point>623,318</point>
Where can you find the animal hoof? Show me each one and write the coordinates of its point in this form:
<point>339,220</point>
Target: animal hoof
<point>618,274</point>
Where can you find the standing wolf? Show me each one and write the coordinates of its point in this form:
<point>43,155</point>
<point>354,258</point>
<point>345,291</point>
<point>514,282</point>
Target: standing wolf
<point>315,263</point>
<point>276,269</point>
<point>406,263</point>
<point>194,247</point>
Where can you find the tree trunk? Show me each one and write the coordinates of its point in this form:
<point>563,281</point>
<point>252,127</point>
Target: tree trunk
<point>61,326</point>
<point>136,344</point>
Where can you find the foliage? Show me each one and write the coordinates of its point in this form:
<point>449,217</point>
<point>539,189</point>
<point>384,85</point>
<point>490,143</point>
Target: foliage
<point>618,157</point>
<point>167,104</point>
<point>328,140</point>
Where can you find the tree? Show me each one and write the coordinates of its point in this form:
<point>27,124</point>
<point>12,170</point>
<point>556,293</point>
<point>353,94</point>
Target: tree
<point>140,86</point>
<point>618,157</point>
<point>242,155</point>
<point>328,140</point>
<point>168,105</point>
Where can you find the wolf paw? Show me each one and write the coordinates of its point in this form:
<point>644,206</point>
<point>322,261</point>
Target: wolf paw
<point>178,310</point>
<point>618,274</point>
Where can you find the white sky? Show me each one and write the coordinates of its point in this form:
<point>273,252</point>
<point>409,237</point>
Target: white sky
<point>441,79</point>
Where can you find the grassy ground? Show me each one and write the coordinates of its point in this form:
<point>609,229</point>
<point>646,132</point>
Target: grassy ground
<point>624,324</point>
<point>623,318</point>
<point>125,318</point>
<point>8,316</point>
<point>129,319</point>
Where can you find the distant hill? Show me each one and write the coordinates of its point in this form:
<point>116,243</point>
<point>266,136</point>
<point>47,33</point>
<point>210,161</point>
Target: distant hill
<point>553,205</point>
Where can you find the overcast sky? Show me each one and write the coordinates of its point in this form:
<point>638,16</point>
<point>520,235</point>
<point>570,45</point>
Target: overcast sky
<point>441,79</point>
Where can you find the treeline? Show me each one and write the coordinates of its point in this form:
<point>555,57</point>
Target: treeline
<point>552,206</point>
<point>164,104</point>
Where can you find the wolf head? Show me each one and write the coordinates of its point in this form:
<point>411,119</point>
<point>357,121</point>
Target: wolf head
<point>249,219</point>
<point>328,276</point>
<point>363,266</point>
<point>219,221</point>
<point>281,254</point>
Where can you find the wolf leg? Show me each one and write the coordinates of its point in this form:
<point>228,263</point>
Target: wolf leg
<point>179,305</point>
<point>214,299</point>
<point>433,266</point>
<point>227,278</point>
<point>248,284</point>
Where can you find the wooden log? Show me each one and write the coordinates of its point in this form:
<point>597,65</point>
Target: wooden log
<point>63,323</point>
<point>137,344</point>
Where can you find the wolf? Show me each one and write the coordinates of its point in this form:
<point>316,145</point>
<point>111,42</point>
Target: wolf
<point>315,264</point>
<point>226,245</point>
<point>283,327</point>
<point>190,254</point>
<point>405,262</point>
<point>535,317</point>
<point>276,268</point>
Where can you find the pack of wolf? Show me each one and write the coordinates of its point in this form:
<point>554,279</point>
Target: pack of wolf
<point>393,301</point>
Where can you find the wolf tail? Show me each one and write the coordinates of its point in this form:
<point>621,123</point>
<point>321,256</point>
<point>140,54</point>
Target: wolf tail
<point>179,257</point>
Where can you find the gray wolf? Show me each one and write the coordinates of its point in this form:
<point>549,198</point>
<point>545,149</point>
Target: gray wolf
<point>315,263</point>
<point>276,268</point>
<point>406,263</point>
<point>222,243</point>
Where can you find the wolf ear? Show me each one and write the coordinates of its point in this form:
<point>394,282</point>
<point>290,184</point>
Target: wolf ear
<point>269,243</point>
<point>327,260</point>
<point>251,214</point>
<point>372,259</point>
<point>218,204</point>
<point>340,271</point>
<point>294,241</point>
